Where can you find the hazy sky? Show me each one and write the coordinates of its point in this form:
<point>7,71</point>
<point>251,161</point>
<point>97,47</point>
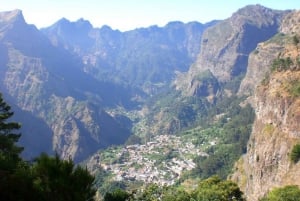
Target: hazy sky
<point>130,14</point>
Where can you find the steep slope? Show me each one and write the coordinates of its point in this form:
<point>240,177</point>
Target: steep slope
<point>146,58</point>
<point>226,46</point>
<point>48,83</point>
<point>216,75</point>
<point>276,101</point>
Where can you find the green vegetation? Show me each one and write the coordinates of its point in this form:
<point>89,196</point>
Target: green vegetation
<point>9,151</point>
<point>117,195</point>
<point>215,189</point>
<point>211,189</point>
<point>232,131</point>
<point>46,178</point>
<point>295,40</point>
<point>279,38</point>
<point>220,129</point>
<point>268,129</point>
<point>266,79</point>
<point>282,64</point>
<point>287,193</point>
<point>295,88</point>
<point>178,112</point>
<point>295,154</point>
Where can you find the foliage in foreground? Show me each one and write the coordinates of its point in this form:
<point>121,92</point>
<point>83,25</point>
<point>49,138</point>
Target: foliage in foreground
<point>47,178</point>
<point>287,193</point>
<point>211,189</point>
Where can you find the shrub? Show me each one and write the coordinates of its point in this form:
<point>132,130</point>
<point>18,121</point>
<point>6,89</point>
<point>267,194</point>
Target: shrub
<point>281,64</point>
<point>295,88</point>
<point>295,40</point>
<point>287,193</point>
<point>295,154</point>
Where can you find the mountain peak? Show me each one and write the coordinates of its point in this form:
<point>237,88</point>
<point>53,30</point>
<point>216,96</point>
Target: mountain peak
<point>83,22</point>
<point>251,8</point>
<point>257,13</point>
<point>72,27</point>
<point>12,16</point>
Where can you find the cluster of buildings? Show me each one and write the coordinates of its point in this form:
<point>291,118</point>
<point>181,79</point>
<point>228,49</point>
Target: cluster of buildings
<point>160,161</point>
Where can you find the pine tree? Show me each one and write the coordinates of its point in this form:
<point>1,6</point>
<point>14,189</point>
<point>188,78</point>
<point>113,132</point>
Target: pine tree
<point>13,170</point>
<point>9,151</point>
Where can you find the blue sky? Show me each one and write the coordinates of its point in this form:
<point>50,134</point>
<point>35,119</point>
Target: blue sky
<point>130,14</point>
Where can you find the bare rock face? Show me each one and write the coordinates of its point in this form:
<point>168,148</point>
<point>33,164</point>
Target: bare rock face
<point>226,46</point>
<point>276,129</point>
<point>260,60</point>
<point>276,101</point>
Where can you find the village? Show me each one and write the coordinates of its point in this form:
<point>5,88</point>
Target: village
<point>161,161</point>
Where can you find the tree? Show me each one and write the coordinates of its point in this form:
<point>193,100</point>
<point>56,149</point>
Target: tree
<point>48,178</point>
<point>56,179</point>
<point>287,193</point>
<point>9,151</point>
<point>117,195</point>
<point>175,194</point>
<point>11,165</point>
<point>215,189</point>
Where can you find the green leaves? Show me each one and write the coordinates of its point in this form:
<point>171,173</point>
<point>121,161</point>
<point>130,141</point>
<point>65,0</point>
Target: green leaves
<point>9,151</point>
<point>295,154</point>
<point>59,179</point>
<point>287,193</point>
<point>211,189</point>
<point>215,189</point>
<point>281,64</point>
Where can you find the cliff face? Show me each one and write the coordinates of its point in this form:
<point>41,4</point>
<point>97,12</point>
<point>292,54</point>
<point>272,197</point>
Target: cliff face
<point>276,101</point>
<point>226,46</point>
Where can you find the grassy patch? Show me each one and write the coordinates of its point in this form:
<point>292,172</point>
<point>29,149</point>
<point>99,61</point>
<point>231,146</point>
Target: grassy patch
<point>268,129</point>
<point>295,88</point>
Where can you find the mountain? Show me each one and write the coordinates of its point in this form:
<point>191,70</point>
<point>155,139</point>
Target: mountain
<point>65,81</point>
<point>276,100</point>
<point>47,84</point>
<point>146,58</point>
<point>216,74</point>
<point>226,47</point>
<point>251,57</point>
<point>78,89</point>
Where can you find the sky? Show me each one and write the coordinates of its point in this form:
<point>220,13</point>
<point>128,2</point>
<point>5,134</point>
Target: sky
<point>130,14</point>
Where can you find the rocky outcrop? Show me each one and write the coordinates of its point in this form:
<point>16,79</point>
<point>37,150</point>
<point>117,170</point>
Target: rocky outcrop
<point>276,101</point>
<point>226,46</point>
<point>280,46</point>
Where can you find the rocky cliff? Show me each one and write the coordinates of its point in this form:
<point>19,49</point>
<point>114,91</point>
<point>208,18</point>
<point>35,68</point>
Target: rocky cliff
<point>218,70</point>
<point>226,46</point>
<point>276,101</point>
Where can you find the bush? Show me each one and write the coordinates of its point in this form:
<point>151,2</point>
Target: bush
<point>295,40</point>
<point>295,154</point>
<point>287,193</point>
<point>295,88</point>
<point>281,64</point>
